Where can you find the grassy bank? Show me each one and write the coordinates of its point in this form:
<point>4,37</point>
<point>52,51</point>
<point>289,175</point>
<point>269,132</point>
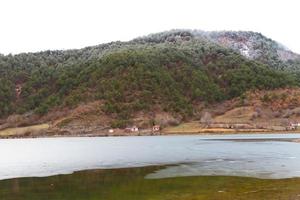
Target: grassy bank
<point>195,128</point>
<point>130,184</point>
<point>44,130</point>
<point>23,131</point>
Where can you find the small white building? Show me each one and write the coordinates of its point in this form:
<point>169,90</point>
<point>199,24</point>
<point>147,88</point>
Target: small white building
<point>294,125</point>
<point>132,129</point>
<point>156,128</point>
<point>111,130</point>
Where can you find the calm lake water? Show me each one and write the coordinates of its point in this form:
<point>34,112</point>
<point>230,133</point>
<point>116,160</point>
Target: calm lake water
<point>157,167</point>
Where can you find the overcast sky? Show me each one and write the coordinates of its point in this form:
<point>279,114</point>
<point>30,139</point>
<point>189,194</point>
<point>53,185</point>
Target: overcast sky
<point>35,25</point>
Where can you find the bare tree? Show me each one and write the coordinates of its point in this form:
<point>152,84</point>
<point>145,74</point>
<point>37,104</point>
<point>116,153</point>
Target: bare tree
<point>206,118</point>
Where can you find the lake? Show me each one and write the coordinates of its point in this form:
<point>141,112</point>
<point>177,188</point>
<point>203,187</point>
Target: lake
<point>255,166</point>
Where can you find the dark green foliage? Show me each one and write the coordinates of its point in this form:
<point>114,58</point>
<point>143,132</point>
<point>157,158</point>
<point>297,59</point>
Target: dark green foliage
<point>7,96</point>
<point>172,71</point>
<point>256,77</point>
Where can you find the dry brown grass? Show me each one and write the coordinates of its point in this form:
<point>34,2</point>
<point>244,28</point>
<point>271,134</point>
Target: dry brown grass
<point>183,128</point>
<point>195,127</point>
<point>23,130</point>
<point>275,99</point>
<point>236,115</point>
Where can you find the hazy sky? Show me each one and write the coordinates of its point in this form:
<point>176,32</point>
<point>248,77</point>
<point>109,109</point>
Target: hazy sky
<point>35,25</point>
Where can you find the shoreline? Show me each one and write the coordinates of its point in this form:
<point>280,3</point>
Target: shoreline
<point>151,166</point>
<point>237,132</point>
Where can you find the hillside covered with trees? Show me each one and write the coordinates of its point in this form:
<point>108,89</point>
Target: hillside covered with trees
<point>170,71</point>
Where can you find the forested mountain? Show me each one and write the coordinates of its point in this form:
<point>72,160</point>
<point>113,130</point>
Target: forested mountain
<point>252,45</point>
<point>173,71</point>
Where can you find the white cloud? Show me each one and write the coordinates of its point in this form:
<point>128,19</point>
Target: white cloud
<point>34,25</point>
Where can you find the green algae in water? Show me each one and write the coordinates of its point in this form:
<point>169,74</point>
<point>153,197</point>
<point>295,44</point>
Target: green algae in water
<point>130,184</point>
